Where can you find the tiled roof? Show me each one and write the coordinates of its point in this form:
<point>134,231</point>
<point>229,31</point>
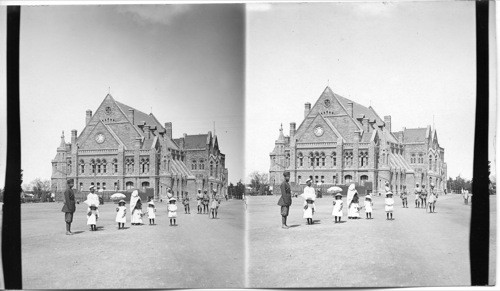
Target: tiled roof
<point>198,141</point>
<point>179,168</point>
<point>397,161</point>
<point>172,144</point>
<point>415,135</point>
<point>140,116</point>
<point>398,135</point>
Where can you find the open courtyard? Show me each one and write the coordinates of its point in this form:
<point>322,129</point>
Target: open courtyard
<point>198,253</point>
<point>414,249</point>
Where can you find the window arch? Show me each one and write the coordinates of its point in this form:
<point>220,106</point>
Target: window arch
<point>301,159</point>
<point>311,158</point>
<point>212,167</point>
<point>115,166</point>
<point>323,159</point>
<point>348,158</point>
<point>104,164</point>
<point>348,179</point>
<point>430,162</point>
<point>145,185</point>
<point>193,165</point>
<point>82,166</point>
<point>334,159</point>
<point>412,159</point>
<point>129,185</point>
<point>363,179</point>
<point>202,165</point>
<point>68,166</point>
<point>92,165</point>
<point>98,162</point>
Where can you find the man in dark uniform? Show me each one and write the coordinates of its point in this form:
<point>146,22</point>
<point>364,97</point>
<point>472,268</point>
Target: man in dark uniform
<point>69,205</point>
<point>285,199</point>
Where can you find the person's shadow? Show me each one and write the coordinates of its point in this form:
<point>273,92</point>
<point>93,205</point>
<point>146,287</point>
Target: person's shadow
<point>293,225</point>
<point>77,232</point>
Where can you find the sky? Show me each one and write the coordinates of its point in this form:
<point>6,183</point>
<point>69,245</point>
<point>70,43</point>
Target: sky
<point>414,61</point>
<point>183,62</point>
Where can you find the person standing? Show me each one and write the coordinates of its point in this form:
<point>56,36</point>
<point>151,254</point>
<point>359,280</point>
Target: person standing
<point>135,208</point>
<point>199,198</point>
<point>418,191</point>
<point>214,204</point>
<point>432,199</point>
<point>404,197</point>
<point>285,199</point>
<point>93,199</point>
<point>69,206</point>
<point>205,201</point>
<point>466,196</point>
<point>423,195</point>
<point>309,196</point>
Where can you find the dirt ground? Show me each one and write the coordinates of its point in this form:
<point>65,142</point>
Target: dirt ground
<point>198,253</point>
<point>415,249</point>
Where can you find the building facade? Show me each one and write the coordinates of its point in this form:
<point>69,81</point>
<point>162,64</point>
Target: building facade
<point>122,148</point>
<point>340,141</point>
<point>205,161</point>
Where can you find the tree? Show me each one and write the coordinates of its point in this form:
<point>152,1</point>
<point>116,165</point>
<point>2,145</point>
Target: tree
<point>257,180</point>
<point>40,188</point>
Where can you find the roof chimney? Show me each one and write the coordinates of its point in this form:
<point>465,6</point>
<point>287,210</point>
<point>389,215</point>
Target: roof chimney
<point>130,115</point>
<point>387,120</point>
<point>307,108</point>
<point>88,116</point>
<point>350,110</point>
<point>73,137</point>
<point>168,129</point>
<point>292,130</point>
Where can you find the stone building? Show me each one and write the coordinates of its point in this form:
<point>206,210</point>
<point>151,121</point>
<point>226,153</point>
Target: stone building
<point>340,141</point>
<point>123,148</point>
<point>205,161</point>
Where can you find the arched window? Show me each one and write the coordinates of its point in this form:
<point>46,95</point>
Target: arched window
<point>104,170</point>
<point>287,160</point>
<point>334,159</point>
<point>82,167</point>
<point>435,163</point>
<point>145,185</point>
<point>92,165</point>
<point>311,158</point>
<point>412,159</point>
<point>68,166</point>
<point>193,165</point>
<point>212,167</point>
<point>115,166</point>
<point>363,179</point>
<point>420,158</point>
<point>430,163</point>
<point>217,168</point>
<point>348,158</point>
<point>317,159</point>
<point>147,165</point>
<point>129,185</point>
<point>348,179</point>
<point>323,159</point>
<point>98,162</point>
<point>202,165</point>
<point>334,180</point>
<point>301,159</point>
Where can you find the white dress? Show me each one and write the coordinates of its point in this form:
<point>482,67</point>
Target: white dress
<point>389,204</point>
<point>337,208</point>
<point>136,216</point>
<point>172,211</point>
<point>308,213</point>
<point>151,213</point>
<point>368,206</point>
<point>121,214</point>
<point>92,218</point>
<point>354,210</point>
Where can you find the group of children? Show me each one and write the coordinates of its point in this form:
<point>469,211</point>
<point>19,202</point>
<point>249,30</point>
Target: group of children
<point>354,207</point>
<point>136,212</point>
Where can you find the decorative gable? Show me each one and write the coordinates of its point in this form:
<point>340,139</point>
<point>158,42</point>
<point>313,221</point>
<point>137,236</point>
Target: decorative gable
<point>101,137</point>
<point>318,130</point>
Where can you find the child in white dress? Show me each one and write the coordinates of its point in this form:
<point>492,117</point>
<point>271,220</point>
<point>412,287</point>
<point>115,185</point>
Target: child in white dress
<point>172,211</point>
<point>92,217</point>
<point>151,211</point>
<point>337,207</point>
<point>368,206</point>
<point>389,205</point>
<point>121,214</point>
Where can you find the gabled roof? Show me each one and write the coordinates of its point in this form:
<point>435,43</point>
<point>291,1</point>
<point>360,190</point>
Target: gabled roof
<point>415,135</point>
<point>140,116</point>
<point>197,141</point>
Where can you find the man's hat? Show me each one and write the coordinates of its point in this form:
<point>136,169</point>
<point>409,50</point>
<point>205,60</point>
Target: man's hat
<point>338,194</point>
<point>199,190</point>
<point>308,180</point>
<point>286,174</point>
<point>91,187</point>
<point>122,201</point>
<point>70,181</point>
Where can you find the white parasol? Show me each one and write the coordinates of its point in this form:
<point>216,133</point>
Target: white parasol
<point>334,189</point>
<point>117,196</point>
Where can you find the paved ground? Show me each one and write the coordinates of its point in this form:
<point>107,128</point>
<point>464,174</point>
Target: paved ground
<point>199,253</point>
<point>416,249</point>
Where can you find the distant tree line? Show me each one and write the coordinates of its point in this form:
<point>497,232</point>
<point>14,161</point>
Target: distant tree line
<point>236,191</point>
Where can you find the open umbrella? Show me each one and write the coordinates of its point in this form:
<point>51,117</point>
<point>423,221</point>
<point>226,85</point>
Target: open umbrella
<point>117,196</point>
<point>334,189</point>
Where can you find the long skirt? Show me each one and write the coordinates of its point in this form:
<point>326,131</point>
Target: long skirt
<point>136,216</point>
<point>354,210</point>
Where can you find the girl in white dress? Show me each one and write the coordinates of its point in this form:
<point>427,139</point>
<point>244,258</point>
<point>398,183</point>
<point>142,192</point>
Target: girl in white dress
<point>172,211</point>
<point>354,207</point>
<point>92,217</point>
<point>337,207</point>
<point>389,205</point>
<point>151,211</point>
<point>121,214</point>
<point>368,206</point>
<point>135,208</point>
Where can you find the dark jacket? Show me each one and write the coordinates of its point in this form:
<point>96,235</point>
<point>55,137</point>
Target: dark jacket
<point>286,195</point>
<point>69,201</point>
